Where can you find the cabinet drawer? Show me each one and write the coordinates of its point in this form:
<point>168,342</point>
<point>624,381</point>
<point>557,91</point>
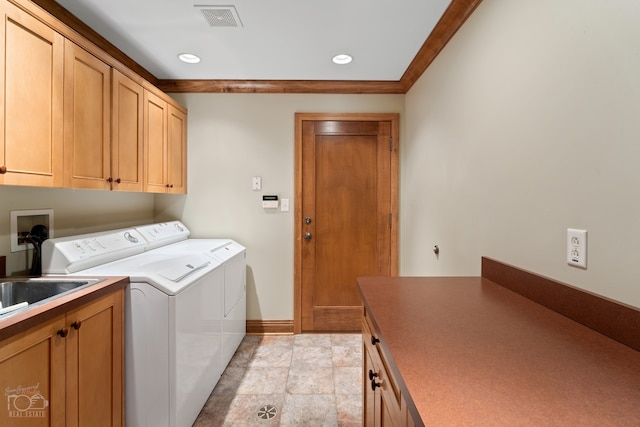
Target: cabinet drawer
<point>390,391</point>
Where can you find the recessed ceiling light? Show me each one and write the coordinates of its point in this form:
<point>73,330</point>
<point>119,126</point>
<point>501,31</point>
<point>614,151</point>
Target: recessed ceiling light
<point>342,59</point>
<point>189,58</point>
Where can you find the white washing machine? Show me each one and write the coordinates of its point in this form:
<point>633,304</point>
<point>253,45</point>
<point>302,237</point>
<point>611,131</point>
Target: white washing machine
<point>174,318</point>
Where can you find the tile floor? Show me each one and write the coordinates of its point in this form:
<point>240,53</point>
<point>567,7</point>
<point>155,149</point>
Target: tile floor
<point>310,380</point>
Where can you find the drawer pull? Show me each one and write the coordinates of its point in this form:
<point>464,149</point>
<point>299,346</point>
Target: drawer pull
<point>374,384</point>
<point>63,332</point>
<point>76,325</point>
<point>374,340</point>
<point>372,375</point>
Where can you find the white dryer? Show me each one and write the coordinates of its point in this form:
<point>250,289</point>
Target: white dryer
<point>174,317</point>
<point>232,255</point>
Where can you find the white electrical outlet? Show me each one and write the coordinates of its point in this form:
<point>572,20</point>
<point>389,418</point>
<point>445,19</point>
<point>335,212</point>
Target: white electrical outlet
<point>577,247</point>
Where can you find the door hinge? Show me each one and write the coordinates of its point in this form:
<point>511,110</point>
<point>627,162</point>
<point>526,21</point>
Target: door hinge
<point>390,143</point>
<point>390,220</point>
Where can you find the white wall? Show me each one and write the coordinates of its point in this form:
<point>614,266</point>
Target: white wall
<point>527,124</point>
<point>233,137</point>
<point>74,212</point>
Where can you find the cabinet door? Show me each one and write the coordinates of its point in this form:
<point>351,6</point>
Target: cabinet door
<point>95,363</point>
<point>32,377</point>
<point>177,151</point>
<point>382,401</point>
<point>371,397</point>
<point>127,134</point>
<point>87,119</point>
<point>155,143</point>
<point>31,100</point>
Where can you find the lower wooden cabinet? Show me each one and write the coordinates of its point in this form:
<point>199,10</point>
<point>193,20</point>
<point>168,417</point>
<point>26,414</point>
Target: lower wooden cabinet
<point>383,404</point>
<point>67,371</point>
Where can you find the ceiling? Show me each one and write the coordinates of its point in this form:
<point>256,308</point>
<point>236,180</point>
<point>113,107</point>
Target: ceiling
<point>272,39</point>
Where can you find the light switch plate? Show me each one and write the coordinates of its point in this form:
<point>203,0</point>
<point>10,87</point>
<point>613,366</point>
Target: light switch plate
<point>256,183</point>
<point>577,247</point>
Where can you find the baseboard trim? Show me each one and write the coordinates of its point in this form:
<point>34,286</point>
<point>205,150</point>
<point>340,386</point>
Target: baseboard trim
<point>269,327</point>
<point>615,320</point>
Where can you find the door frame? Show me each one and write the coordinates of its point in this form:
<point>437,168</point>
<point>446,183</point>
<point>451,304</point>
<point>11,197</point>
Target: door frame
<point>394,118</point>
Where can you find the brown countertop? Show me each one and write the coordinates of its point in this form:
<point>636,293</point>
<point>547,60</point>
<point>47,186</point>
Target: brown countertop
<point>467,351</point>
<point>25,319</point>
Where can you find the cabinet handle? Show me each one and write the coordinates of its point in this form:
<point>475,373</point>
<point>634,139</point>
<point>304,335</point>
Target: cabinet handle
<point>63,332</point>
<point>109,179</point>
<point>374,384</point>
<point>372,375</point>
<point>3,170</point>
<point>76,325</point>
<point>118,181</point>
<point>374,340</point>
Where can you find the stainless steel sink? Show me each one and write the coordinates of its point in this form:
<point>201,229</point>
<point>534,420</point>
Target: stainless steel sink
<point>15,293</point>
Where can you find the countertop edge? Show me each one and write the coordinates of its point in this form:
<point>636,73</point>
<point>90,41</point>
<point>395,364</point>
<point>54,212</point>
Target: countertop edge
<point>31,317</point>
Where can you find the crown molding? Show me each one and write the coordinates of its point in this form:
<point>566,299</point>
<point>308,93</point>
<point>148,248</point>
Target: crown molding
<point>452,19</point>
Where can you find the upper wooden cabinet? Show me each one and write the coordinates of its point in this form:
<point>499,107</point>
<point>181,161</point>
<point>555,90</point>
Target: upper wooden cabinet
<point>72,116</point>
<point>87,119</point>
<point>127,133</point>
<point>31,100</point>
<point>164,146</point>
<point>177,151</point>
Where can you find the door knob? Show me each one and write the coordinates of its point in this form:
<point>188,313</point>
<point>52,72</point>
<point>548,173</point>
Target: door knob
<point>307,236</point>
<point>307,220</point>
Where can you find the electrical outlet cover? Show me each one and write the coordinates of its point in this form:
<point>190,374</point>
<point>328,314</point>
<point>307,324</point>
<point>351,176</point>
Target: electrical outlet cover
<point>577,247</point>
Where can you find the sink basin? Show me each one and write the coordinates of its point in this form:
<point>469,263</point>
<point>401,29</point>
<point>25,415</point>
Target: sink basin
<point>20,293</point>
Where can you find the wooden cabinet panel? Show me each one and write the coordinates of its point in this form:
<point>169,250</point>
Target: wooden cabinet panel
<point>32,377</point>
<point>87,118</point>
<point>383,405</point>
<point>72,379</point>
<point>164,146</point>
<point>127,133</point>
<point>31,95</point>
<point>155,143</point>
<point>94,354</point>
<point>177,151</point>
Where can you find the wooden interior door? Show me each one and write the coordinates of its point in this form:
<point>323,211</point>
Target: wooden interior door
<point>346,200</point>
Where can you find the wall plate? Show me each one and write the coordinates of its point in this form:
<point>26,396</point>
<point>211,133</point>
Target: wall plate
<point>577,247</point>
<point>23,221</point>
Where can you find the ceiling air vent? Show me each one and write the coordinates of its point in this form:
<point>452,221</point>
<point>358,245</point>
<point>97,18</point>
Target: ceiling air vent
<point>221,16</point>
